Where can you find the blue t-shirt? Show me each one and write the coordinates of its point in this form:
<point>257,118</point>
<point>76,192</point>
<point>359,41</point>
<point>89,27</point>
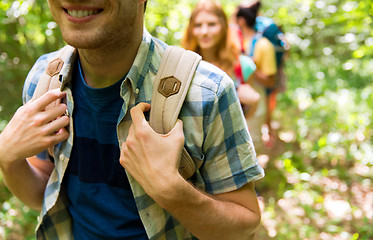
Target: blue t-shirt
<point>100,198</point>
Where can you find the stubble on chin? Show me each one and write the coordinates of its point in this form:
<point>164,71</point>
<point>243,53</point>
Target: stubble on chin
<point>82,40</point>
<point>107,44</point>
<point>99,39</point>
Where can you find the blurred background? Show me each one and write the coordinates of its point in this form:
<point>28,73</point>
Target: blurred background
<point>319,173</point>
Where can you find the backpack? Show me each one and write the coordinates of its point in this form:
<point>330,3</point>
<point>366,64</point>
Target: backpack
<point>266,27</point>
<point>171,85</point>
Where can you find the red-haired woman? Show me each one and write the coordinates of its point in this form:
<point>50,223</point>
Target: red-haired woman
<point>208,34</point>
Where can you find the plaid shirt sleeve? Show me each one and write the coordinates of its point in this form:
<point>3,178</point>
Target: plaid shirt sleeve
<point>33,76</point>
<point>226,148</point>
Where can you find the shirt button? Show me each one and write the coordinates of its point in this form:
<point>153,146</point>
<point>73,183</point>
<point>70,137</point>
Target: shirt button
<point>137,91</point>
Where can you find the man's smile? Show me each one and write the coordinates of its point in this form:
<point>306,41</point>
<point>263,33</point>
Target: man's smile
<point>80,13</point>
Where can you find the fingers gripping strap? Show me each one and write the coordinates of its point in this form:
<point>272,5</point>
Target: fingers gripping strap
<point>174,76</point>
<point>50,78</point>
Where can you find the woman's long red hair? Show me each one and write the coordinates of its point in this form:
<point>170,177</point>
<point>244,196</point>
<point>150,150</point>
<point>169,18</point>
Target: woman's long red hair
<point>227,51</point>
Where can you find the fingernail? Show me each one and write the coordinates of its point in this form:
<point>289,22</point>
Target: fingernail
<point>67,113</point>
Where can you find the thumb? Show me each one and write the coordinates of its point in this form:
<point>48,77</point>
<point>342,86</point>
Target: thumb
<point>177,132</point>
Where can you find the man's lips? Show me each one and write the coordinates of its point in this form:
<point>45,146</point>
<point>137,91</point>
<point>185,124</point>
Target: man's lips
<point>81,13</point>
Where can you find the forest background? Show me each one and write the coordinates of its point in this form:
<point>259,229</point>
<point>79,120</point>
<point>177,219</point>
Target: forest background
<point>318,182</point>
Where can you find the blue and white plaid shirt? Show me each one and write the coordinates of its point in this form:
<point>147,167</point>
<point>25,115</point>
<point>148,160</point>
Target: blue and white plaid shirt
<point>215,135</point>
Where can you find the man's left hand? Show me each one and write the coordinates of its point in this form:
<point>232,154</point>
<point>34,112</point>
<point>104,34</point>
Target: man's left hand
<point>152,158</point>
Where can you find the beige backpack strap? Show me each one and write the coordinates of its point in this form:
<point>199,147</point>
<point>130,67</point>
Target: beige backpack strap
<point>171,85</point>
<point>50,78</point>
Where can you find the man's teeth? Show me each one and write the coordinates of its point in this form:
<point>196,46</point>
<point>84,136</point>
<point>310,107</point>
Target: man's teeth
<point>81,13</point>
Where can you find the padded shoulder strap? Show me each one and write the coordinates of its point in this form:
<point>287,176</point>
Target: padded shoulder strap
<point>255,39</point>
<point>50,78</point>
<point>171,85</point>
<point>174,76</point>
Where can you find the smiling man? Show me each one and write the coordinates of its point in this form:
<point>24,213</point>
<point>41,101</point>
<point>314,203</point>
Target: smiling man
<point>110,176</point>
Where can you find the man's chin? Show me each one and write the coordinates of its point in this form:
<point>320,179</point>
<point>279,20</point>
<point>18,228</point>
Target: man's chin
<point>82,44</point>
<point>81,41</point>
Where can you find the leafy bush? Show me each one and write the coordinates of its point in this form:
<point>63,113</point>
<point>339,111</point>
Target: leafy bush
<point>323,176</point>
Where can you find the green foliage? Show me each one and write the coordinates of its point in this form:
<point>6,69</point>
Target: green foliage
<point>324,173</point>
<point>17,220</point>
<point>319,175</point>
<point>26,31</point>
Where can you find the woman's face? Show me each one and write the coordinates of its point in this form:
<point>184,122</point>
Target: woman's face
<point>207,30</point>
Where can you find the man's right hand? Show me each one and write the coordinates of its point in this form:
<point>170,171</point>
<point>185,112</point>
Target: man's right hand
<point>34,128</point>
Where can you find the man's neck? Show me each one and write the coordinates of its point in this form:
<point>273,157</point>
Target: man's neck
<point>104,66</point>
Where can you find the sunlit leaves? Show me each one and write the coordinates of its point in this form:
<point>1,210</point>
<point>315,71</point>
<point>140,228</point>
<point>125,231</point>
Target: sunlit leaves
<point>326,113</point>
<point>338,29</point>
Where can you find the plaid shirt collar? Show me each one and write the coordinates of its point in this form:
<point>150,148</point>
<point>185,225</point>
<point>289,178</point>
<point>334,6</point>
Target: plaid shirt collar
<point>144,62</point>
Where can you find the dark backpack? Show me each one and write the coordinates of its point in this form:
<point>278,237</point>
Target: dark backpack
<point>268,28</point>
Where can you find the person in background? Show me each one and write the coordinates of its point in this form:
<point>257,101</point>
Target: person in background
<point>111,175</point>
<point>209,35</point>
<point>263,53</point>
